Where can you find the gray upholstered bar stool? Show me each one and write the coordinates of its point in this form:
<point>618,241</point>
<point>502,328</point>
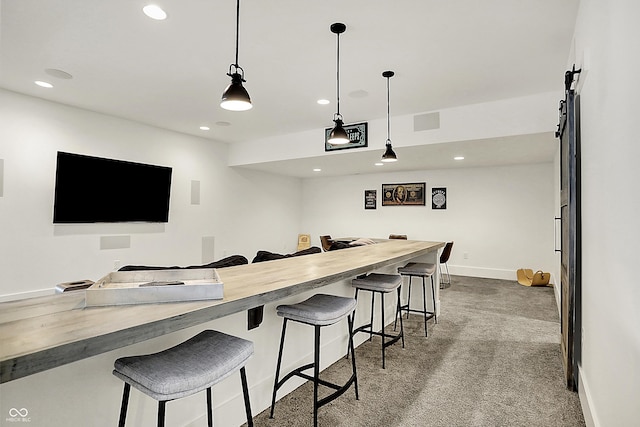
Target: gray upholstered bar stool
<point>423,270</point>
<point>382,284</point>
<point>318,311</point>
<point>185,369</point>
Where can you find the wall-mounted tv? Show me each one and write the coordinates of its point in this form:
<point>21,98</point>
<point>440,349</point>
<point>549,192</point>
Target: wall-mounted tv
<point>93,189</point>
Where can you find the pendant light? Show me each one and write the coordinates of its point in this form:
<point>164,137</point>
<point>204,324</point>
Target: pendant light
<point>235,97</point>
<point>389,155</point>
<point>338,135</point>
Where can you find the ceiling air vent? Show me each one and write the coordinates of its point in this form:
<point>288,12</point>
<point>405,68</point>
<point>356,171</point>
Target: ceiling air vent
<point>426,121</point>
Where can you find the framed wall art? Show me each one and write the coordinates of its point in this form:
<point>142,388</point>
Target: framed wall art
<point>403,194</point>
<point>370,199</point>
<point>357,135</point>
<point>439,198</point>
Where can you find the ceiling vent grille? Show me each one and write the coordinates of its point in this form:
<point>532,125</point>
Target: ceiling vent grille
<point>427,121</point>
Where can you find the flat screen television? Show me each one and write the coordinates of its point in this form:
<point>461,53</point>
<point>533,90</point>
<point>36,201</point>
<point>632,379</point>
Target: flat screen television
<point>93,189</point>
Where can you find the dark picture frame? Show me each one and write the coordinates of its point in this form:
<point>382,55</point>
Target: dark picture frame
<point>357,135</point>
<point>439,198</point>
<point>370,199</point>
<point>411,194</point>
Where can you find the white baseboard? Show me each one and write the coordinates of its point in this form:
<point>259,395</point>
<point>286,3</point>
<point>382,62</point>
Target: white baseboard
<point>486,273</point>
<point>25,295</point>
<point>590,418</point>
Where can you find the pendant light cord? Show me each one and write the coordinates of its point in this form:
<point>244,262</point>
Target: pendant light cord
<point>388,113</point>
<point>338,73</point>
<point>237,29</point>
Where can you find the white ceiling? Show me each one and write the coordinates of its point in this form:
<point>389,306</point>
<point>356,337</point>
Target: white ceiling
<point>171,73</point>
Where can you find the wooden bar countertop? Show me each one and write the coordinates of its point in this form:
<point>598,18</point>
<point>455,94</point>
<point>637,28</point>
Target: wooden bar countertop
<point>41,333</point>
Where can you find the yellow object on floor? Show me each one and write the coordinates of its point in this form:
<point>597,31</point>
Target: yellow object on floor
<point>527,277</point>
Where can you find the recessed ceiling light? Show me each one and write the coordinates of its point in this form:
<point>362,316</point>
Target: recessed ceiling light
<point>204,128</point>
<point>359,93</point>
<point>43,84</point>
<point>223,124</point>
<point>323,101</point>
<point>379,164</point>
<point>458,158</point>
<point>154,12</point>
<point>58,73</point>
<point>317,170</point>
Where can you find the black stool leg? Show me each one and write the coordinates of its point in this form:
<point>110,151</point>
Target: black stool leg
<point>398,311</point>
<point>349,350</point>
<point>409,296</point>
<point>316,373</point>
<point>433,295</point>
<point>125,404</point>
<point>424,304</point>
<point>161,405</point>
<point>275,383</point>
<point>245,393</point>
<point>373,294</point>
<point>209,408</point>
<point>381,321</point>
<point>353,354</point>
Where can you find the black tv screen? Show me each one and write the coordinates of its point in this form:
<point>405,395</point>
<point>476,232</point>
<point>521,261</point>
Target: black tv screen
<point>93,189</point>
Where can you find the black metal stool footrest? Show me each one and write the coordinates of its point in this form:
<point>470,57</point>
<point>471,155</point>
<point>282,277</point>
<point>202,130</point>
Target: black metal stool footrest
<point>428,314</point>
<point>339,390</point>
<point>368,329</point>
<point>298,372</point>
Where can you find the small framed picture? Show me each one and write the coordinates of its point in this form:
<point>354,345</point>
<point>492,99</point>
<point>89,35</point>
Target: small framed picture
<point>370,199</point>
<point>439,198</point>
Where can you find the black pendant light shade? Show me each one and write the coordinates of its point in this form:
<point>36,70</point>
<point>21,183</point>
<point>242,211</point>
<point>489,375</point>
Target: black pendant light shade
<point>338,135</point>
<point>235,97</point>
<point>389,155</point>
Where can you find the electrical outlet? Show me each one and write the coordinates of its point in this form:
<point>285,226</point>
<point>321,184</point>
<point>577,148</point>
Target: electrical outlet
<point>465,255</point>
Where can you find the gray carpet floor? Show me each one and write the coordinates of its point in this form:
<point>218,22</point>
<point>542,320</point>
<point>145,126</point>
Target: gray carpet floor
<point>493,359</point>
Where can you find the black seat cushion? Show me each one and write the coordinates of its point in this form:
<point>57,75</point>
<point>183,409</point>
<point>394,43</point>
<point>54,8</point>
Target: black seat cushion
<point>269,256</point>
<point>224,262</point>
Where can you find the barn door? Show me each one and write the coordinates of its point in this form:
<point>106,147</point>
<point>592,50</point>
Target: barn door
<point>570,316</point>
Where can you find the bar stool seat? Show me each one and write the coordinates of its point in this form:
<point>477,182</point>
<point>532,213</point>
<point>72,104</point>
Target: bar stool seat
<point>382,284</point>
<point>423,270</point>
<point>318,311</point>
<point>185,369</point>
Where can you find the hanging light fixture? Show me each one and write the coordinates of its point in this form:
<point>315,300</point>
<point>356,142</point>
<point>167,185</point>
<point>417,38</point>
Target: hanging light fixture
<point>389,155</point>
<point>338,135</point>
<point>235,97</point>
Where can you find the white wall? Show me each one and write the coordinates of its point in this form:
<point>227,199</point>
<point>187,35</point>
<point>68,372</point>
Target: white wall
<point>243,210</point>
<point>502,217</point>
<point>606,47</point>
